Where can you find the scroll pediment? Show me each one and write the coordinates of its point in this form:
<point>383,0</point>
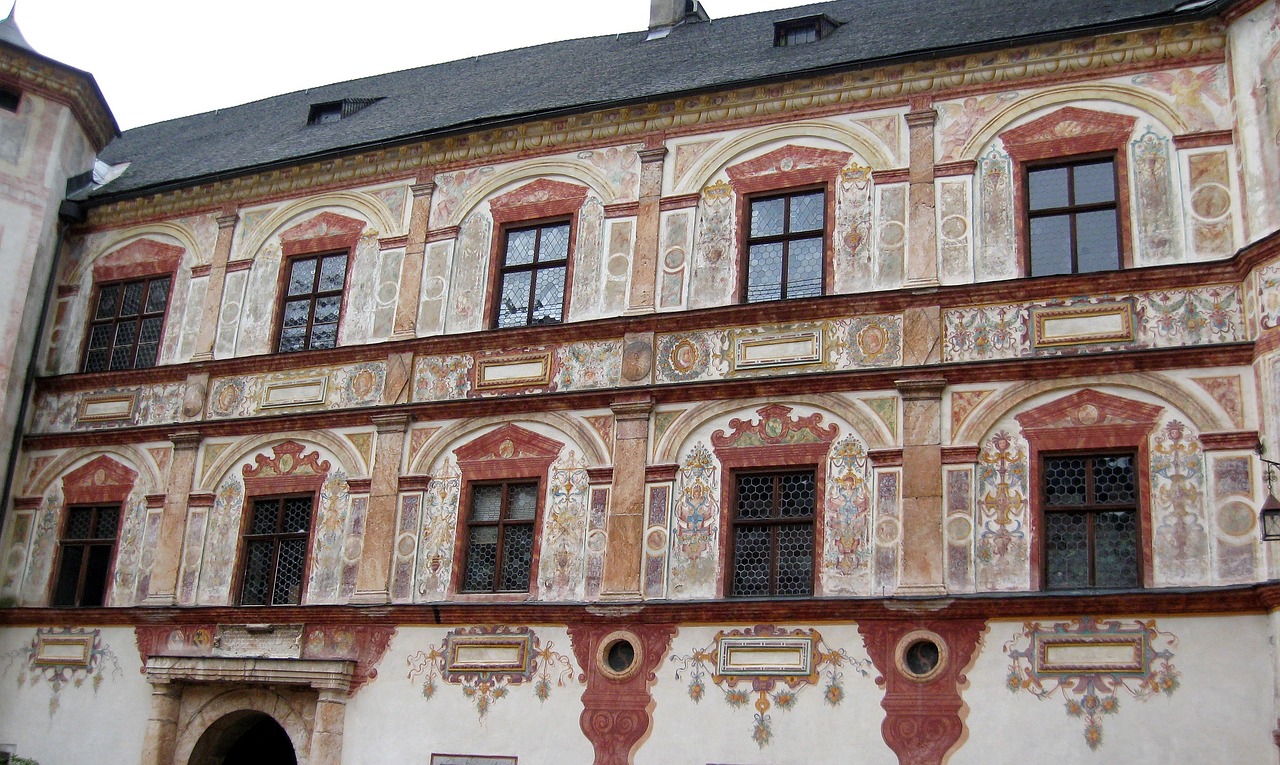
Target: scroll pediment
<point>776,427</point>
<point>287,460</point>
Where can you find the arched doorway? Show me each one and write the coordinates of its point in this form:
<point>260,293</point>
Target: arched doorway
<point>244,738</point>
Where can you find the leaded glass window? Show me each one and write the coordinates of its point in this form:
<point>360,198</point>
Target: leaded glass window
<point>773,533</point>
<point>786,245</point>
<point>531,288</point>
<point>312,302</point>
<point>126,325</point>
<point>500,526</point>
<point>1073,218</point>
<point>1090,522</point>
<point>275,551</point>
<point>84,558</point>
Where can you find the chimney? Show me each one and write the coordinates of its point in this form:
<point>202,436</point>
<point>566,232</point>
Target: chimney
<point>665,15</point>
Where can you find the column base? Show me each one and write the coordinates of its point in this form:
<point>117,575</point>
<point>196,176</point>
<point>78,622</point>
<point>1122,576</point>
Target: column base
<point>403,334</point>
<point>201,356</point>
<point>920,591</point>
<point>370,598</point>
<point>159,600</point>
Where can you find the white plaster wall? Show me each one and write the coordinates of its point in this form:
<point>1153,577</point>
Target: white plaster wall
<point>812,732</point>
<point>1222,713</point>
<point>90,725</point>
<point>389,720</point>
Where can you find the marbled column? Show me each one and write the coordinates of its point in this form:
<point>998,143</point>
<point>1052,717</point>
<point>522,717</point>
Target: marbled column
<point>162,727</point>
<point>372,582</point>
<point>411,272</point>
<point>213,294</point>
<point>173,522</point>
<point>922,256</point>
<point>624,527</point>
<point>326,735</point>
<point>644,271</point>
<point>922,513</point>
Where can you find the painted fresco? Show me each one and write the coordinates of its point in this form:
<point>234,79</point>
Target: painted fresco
<point>338,387</point>
<point>1158,238</point>
<point>44,660</point>
<point>891,237</point>
<point>1003,505</point>
<point>1210,205</point>
<point>1180,542</point>
<point>1200,95</point>
<point>586,294</point>
<point>439,530</point>
<point>675,247</point>
<point>470,268</point>
<point>955,231</point>
<point>562,561</point>
<point>767,690</point>
<point>158,404</point>
<point>695,525</point>
<point>1091,690</point>
<point>336,541</point>
<point>715,252</point>
<point>853,242</point>
<point>1269,295</point>
<point>1235,522</point>
<point>888,532</point>
<point>847,518</point>
<point>958,529</point>
<point>996,254</point>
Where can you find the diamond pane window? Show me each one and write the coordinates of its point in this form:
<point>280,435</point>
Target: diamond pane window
<point>127,324</point>
<point>786,246</point>
<point>499,549</point>
<point>1090,522</point>
<point>772,534</point>
<point>312,303</point>
<point>85,555</point>
<point>1073,219</point>
<point>531,283</point>
<point>275,551</point>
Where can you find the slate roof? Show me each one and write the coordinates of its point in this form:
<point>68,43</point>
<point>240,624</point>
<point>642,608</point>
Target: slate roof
<point>576,75</point>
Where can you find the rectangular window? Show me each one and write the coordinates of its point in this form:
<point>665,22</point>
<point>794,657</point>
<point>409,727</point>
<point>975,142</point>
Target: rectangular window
<point>786,245</point>
<point>9,99</point>
<point>773,533</point>
<point>126,325</point>
<point>1090,521</point>
<point>275,551</point>
<point>1073,219</point>
<point>87,549</point>
<point>312,302</point>
<point>499,547</point>
<point>531,285</point>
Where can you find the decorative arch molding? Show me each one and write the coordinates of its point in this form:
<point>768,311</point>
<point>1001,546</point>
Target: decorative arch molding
<point>148,478</point>
<point>326,231</point>
<point>1123,95</point>
<point>788,165</point>
<point>855,413</point>
<point>862,143</point>
<point>169,234</point>
<point>513,177</point>
<point>350,203</point>
<point>141,257</point>
<point>348,459</point>
<point>577,434</point>
<point>538,199</point>
<point>999,405</point>
<point>100,480</point>
<point>288,714</point>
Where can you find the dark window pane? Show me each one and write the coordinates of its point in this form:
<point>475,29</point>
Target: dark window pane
<point>79,523</point>
<point>266,513</point>
<point>755,496</point>
<point>807,212</point>
<point>94,589</point>
<point>1113,480</point>
<point>257,572</point>
<point>302,276</point>
<point>297,515</point>
<point>291,561</point>
<point>1115,537</point>
<point>333,272</point>
<point>1064,480</point>
<point>752,565</point>
<point>1067,550</point>
<point>132,302</point>
<point>100,336</point>
<point>764,272</point>
<point>804,268</point>
<point>482,559</point>
<point>1051,245</point>
<point>1048,188</point>
<point>107,299</point>
<point>532,283</point>
<point>797,495</point>
<point>522,500</point>
<point>513,308</point>
<point>795,560</point>
<point>108,519</point>
<point>767,216</point>
<point>517,556</point>
<point>486,502</point>
<point>1095,183</point>
<point>1097,242</point>
<point>157,294</point>
<point>64,592</point>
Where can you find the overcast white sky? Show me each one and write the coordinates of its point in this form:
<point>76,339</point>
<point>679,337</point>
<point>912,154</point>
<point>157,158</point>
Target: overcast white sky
<point>159,59</point>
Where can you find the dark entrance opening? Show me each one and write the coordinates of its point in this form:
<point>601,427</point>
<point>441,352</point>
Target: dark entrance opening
<point>263,743</point>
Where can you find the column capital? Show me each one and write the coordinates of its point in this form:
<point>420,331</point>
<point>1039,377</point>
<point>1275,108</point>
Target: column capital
<point>423,189</point>
<point>227,221</point>
<point>921,389</point>
<point>632,410</point>
<point>652,155</point>
<point>186,439</point>
<point>922,118</point>
<point>391,423</point>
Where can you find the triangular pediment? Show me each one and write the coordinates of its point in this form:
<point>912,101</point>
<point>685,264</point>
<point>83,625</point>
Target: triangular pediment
<point>509,442</point>
<point>142,257</point>
<point>538,192</point>
<point>324,225</point>
<point>1089,408</point>
<point>1069,130</point>
<point>101,479</point>
<point>790,159</point>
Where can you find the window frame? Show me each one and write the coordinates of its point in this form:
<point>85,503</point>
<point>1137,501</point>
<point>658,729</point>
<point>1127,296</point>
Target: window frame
<point>283,297</point>
<point>1067,135</point>
<point>1072,210</point>
<point>499,269</point>
<point>10,95</point>
<point>746,240</point>
<point>86,543</point>
<point>773,521</point>
<point>501,524</point>
<point>242,557</point>
<point>91,321</point>
<point>1091,510</point>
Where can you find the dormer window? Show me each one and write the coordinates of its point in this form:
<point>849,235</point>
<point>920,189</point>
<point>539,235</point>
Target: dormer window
<point>332,111</point>
<point>9,99</point>
<point>802,31</point>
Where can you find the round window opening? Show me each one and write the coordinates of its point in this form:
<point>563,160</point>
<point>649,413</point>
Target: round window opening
<point>619,655</point>
<point>921,655</point>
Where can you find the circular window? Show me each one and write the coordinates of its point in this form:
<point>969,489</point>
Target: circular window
<point>619,655</point>
<point>921,655</point>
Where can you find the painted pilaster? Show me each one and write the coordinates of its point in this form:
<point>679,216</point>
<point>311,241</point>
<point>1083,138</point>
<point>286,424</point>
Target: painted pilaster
<point>922,513</point>
<point>217,280</point>
<point>162,727</point>
<point>173,522</point>
<point>406,324</point>
<point>644,276</point>
<point>922,252</point>
<point>326,736</point>
<point>372,582</point>
<point>624,527</point>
